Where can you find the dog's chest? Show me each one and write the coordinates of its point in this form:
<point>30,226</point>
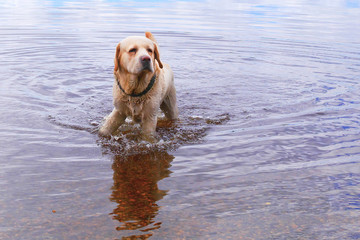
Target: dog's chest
<point>136,111</point>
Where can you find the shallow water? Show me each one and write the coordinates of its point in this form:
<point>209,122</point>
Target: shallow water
<point>267,145</point>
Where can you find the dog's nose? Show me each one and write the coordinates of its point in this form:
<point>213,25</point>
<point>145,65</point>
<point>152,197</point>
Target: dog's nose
<point>145,59</point>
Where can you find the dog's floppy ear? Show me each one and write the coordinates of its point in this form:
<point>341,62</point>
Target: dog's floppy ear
<point>150,36</point>
<point>157,55</point>
<point>156,50</point>
<point>117,58</point>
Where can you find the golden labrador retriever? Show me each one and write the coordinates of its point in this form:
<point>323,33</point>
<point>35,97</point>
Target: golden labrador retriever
<point>142,85</point>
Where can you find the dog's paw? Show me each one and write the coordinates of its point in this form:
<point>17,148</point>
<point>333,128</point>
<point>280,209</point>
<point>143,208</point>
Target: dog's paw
<point>149,137</point>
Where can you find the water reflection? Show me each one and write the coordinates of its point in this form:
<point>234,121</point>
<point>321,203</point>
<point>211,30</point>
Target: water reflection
<point>136,191</point>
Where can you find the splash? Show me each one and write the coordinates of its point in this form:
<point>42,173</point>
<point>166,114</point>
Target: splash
<point>171,135</point>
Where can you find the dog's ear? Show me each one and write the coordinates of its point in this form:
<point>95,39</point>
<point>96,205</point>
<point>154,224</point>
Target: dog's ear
<point>156,50</point>
<point>157,55</point>
<point>117,58</point>
<point>150,36</point>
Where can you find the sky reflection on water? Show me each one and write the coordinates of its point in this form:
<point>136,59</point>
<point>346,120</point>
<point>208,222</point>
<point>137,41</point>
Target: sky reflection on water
<point>267,145</point>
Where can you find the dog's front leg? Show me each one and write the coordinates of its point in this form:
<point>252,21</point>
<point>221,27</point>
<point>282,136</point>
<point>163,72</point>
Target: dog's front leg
<point>112,123</point>
<point>149,128</point>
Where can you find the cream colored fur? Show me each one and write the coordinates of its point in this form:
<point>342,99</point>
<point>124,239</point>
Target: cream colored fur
<point>134,78</point>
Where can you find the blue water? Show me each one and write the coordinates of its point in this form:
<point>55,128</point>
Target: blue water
<point>267,145</point>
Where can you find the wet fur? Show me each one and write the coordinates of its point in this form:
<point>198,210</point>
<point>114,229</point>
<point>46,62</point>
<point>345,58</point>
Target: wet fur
<point>134,78</point>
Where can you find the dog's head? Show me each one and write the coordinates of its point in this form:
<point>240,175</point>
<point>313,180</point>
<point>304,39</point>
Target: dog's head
<point>137,54</point>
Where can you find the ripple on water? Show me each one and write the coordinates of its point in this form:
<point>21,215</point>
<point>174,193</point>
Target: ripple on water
<point>284,166</point>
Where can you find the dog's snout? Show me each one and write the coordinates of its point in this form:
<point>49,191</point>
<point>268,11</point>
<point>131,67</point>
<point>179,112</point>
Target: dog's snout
<point>146,63</point>
<point>145,59</point>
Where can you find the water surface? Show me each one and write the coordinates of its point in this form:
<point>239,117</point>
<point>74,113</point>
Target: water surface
<point>267,145</point>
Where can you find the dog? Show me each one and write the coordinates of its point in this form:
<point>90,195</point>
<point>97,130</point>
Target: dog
<point>142,86</point>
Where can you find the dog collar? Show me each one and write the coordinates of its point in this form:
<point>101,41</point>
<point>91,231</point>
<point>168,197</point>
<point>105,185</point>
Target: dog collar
<point>147,89</point>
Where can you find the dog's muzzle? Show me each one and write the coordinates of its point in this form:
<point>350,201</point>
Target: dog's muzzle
<point>146,63</point>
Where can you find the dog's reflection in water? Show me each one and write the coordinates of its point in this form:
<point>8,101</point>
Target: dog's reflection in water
<point>136,191</point>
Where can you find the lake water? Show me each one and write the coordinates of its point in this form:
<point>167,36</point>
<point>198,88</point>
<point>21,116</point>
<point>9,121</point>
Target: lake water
<point>268,141</point>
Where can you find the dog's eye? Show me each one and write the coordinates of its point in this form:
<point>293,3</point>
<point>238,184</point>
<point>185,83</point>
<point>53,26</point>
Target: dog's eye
<point>133,50</point>
<point>150,50</point>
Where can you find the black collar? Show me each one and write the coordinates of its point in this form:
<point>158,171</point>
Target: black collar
<point>147,89</point>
